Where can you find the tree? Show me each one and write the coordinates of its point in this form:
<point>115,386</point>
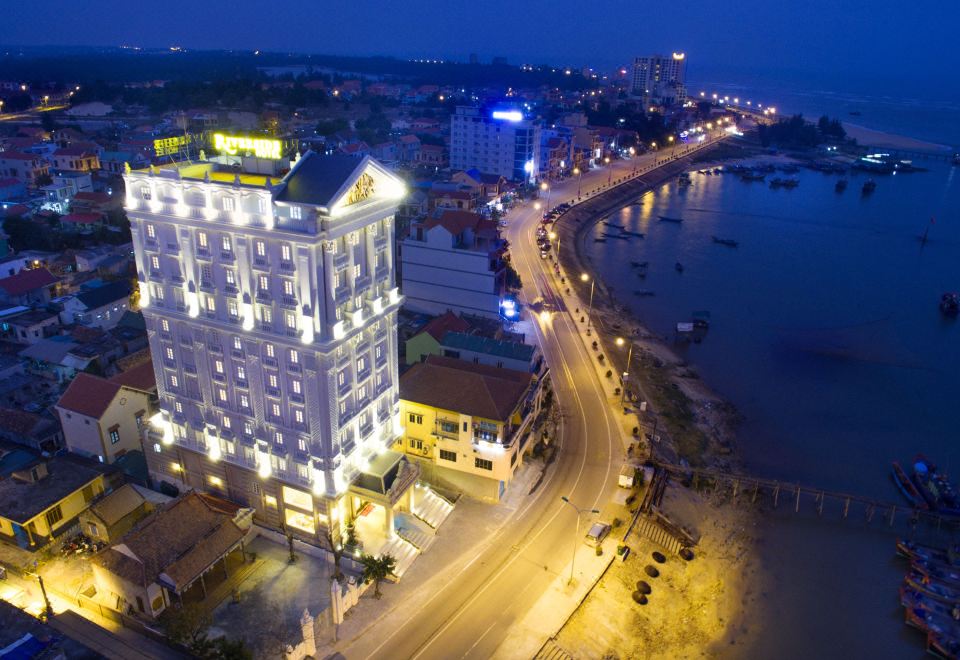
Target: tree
<point>377,569</point>
<point>337,550</point>
<point>292,559</point>
<point>187,624</point>
<point>47,122</point>
<point>328,127</point>
<point>266,625</point>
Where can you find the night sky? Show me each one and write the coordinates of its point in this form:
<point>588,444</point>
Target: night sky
<point>886,41</point>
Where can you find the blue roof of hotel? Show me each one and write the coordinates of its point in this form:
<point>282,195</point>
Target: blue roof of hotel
<point>316,179</point>
<point>487,346</point>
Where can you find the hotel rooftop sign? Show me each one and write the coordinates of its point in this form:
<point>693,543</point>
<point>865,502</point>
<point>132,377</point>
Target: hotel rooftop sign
<point>238,144</point>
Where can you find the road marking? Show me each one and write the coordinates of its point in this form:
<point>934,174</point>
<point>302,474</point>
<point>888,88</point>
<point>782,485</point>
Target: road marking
<point>478,639</point>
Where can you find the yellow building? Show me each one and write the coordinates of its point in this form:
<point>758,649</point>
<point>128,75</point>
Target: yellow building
<point>467,424</point>
<point>40,499</point>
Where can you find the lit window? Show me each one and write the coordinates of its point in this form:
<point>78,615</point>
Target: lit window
<point>342,378</point>
<point>218,366</point>
<point>361,364</point>
<point>272,379</point>
<point>343,407</point>
<point>202,240</point>
<point>226,244</point>
<point>270,350</point>
<point>296,212</point>
<point>263,282</point>
<point>158,292</point>
<point>156,447</point>
<point>174,381</point>
<point>151,230</point>
<point>288,288</point>
<point>165,324</point>
<point>336,280</point>
<point>155,262</point>
<point>294,356</point>
<point>169,353</point>
<point>231,278</point>
<point>261,248</point>
<point>241,373</point>
<point>339,314</point>
<point>378,351</point>
<point>178,407</point>
<point>295,385</point>
<point>233,308</point>
<point>275,409</point>
<point>222,394</point>
<point>301,443</point>
<point>244,401</point>
<point>361,393</point>
<point>285,252</point>
<point>237,344</point>
<point>291,320</point>
<point>226,422</point>
<point>356,271</point>
<point>266,314</point>
<point>298,415</point>
<point>247,428</point>
<point>211,304</point>
<point>229,204</point>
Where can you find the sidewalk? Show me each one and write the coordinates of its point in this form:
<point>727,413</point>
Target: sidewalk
<point>557,604</point>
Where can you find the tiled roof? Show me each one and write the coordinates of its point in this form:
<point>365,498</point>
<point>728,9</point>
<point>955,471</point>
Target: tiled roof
<point>114,506</point>
<point>488,346</point>
<point>97,197</point>
<point>21,501</point>
<point>465,387</point>
<point>141,377</point>
<point>17,155</point>
<point>73,151</point>
<point>18,422</point>
<point>104,295</point>
<point>27,280</point>
<point>454,221</point>
<point>446,322</point>
<point>82,218</point>
<point>89,395</point>
<point>179,542</point>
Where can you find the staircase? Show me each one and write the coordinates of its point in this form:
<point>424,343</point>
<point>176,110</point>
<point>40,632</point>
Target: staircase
<point>403,551</point>
<point>651,530</point>
<point>552,651</point>
<point>430,507</point>
<point>414,531</point>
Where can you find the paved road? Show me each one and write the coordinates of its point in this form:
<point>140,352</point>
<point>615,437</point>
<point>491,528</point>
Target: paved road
<point>471,615</point>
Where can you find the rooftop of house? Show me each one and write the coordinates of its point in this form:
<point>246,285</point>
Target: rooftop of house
<point>17,155</point>
<point>21,422</point>
<point>488,346</point>
<point>22,499</point>
<point>104,295</point>
<point>114,506</point>
<point>89,395</point>
<point>95,197</point>
<point>82,218</point>
<point>27,280</point>
<point>445,323</point>
<point>140,377</point>
<point>176,543</point>
<point>464,387</point>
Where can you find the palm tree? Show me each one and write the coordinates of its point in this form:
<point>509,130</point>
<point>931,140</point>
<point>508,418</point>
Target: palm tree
<point>377,569</point>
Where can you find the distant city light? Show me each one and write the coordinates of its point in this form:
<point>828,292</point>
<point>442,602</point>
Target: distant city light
<point>508,115</point>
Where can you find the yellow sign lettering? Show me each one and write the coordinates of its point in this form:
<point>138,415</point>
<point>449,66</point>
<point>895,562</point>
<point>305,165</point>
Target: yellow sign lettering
<point>236,144</point>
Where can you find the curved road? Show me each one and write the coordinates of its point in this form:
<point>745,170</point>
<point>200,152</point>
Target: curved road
<point>470,616</point>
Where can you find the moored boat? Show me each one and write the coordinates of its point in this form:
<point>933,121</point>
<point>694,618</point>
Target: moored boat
<point>950,303</point>
<point>666,218</point>
<point>841,185</point>
<point>679,267</point>
<point>907,487</point>
<point>935,487</point>
<point>933,588</point>
<point>729,242</point>
<point>913,550</point>
<point>869,186</point>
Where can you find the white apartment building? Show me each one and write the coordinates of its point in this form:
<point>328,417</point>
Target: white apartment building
<point>499,142</point>
<point>660,80</point>
<point>453,261</point>
<point>271,310</point>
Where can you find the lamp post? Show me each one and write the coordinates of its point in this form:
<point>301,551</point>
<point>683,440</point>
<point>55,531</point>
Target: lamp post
<point>586,278</point>
<point>626,374</point>
<point>576,533</point>
<point>554,236</point>
<point>606,161</point>
<point>545,186</point>
<point>579,173</point>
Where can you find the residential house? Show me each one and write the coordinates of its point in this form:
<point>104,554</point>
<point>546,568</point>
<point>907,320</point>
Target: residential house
<point>28,287</point>
<point>484,186</point>
<point>40,432</point>
<point>54,358</point>
<point>489,351</point>
<point>466,423</point>
<point>41,498</point>
<point>100,307</point>
<point>95,202</point>
<point>173,556</point>
<point>454,261</point>
<point>31,326</point>
<point>433,155</point>
<point>101,418</point>
<point>408,148</point>
<point>81,223</point>
<point>76,159</point>
<point>386,152</point>
<point>24,167</point>
<point>452,197</point>
<point>115,162</point>
<point>427,341</point>
<point>113,515</point>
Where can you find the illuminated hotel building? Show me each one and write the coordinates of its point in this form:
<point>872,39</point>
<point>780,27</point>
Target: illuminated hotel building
<point>660,80</point>
<point>501,142</point>
<point>271,309</point>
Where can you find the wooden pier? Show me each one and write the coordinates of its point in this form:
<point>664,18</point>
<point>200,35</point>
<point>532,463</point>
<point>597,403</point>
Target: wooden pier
<point>782,493</point>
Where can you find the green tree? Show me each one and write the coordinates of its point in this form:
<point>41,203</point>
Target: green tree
<point>337,550</point>
<point>377,569</point>
<point>328,127</point>
<point>187,624</point>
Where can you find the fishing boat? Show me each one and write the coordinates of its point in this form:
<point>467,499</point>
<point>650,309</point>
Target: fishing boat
<point>911,550</point>
<point>907,487</point>
<point>753,175</point>
<point>943,645</point>
<point>684,179</point>
<point>933,588</point>
<point>944,573</point>
<point>701,320</point>
<point>666,218</point>
<point>679,267</point>
<point>729,242</point>
<point>841,185</point>
<point>950,304</point>
<point>613,224</point>
<point>599,240</point>
<point>937,489</point>
<point>644,293</point>
<point>869,186</point>
<point>637,234</point>
<point>639,264</point>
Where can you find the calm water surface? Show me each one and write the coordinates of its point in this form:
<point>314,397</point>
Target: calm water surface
<point>826,335</point>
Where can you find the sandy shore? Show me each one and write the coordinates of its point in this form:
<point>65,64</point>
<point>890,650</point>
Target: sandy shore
<point>871,138</point>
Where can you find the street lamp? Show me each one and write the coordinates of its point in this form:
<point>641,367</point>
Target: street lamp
<point>586,278</point>
<point>606,161</point>
<point>623,386</point>
<point>576,534</point>
<point>553,236</point>
<point>579,173</point>
<point>544,186</point>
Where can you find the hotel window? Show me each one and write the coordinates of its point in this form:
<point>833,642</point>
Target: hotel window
<point>296,212</point>
<point>218,366</point>
<point>342,378</point>
<point>270,351</point>
<point>165,324</point>
<point>263,283</point>
<point>343,407</point>
<point>155,262</point>
<point>295,385</point>
<point>291,320</point>
<point>231,278</point>
<point>178,407</point>
<point>232,308</point>
<point>237,344</point>
<point>169,353</point>
<point>301,444</point>
<point>226,422</point>
<point>336,280</point>
<point>378,351</point>
<point>244,401</point>
<point>241,373</point>
<point>275,411</point>
<point>206,276</point>
<point>288,288</point>
<point>272,379</point>
<point>483,463</point>
<point>247,428</point>
<point>298,415</point>
<point>294,356</point>
<point>226,244</point>
<point>266,315</point>
<point>229,204</point>
<point>202,240</point>
<point>174,382</point>
<point>211,304</point>
<point>260,248</point>
<point>151,230</point>
<point>158,292</point>
<point>285,252</point>
<point>356,271</point>
<point>448,455</point>
<point>361,364</point>
<point>361,393</point>
<point>358,303</point>
<point>222,395</point>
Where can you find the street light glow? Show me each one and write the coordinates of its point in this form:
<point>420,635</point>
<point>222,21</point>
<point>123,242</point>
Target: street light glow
<point>619,341</point>
<point>584,277</point>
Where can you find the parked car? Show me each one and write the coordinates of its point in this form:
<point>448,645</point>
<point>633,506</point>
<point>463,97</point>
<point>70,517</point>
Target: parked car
<point>597,533</point>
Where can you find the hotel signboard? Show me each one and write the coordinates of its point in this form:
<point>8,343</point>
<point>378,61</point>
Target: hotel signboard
<point>243,145</point>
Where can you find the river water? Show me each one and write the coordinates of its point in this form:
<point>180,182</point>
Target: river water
<point>826,334</point>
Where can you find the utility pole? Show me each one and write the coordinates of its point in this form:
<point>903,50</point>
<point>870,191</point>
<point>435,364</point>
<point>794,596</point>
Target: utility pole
<point>576,534</point>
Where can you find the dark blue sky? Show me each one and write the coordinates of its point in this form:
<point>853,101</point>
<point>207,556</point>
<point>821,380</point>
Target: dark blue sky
<point>881,42</point>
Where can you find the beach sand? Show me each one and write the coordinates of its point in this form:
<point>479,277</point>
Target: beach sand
<point>871,138</point>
